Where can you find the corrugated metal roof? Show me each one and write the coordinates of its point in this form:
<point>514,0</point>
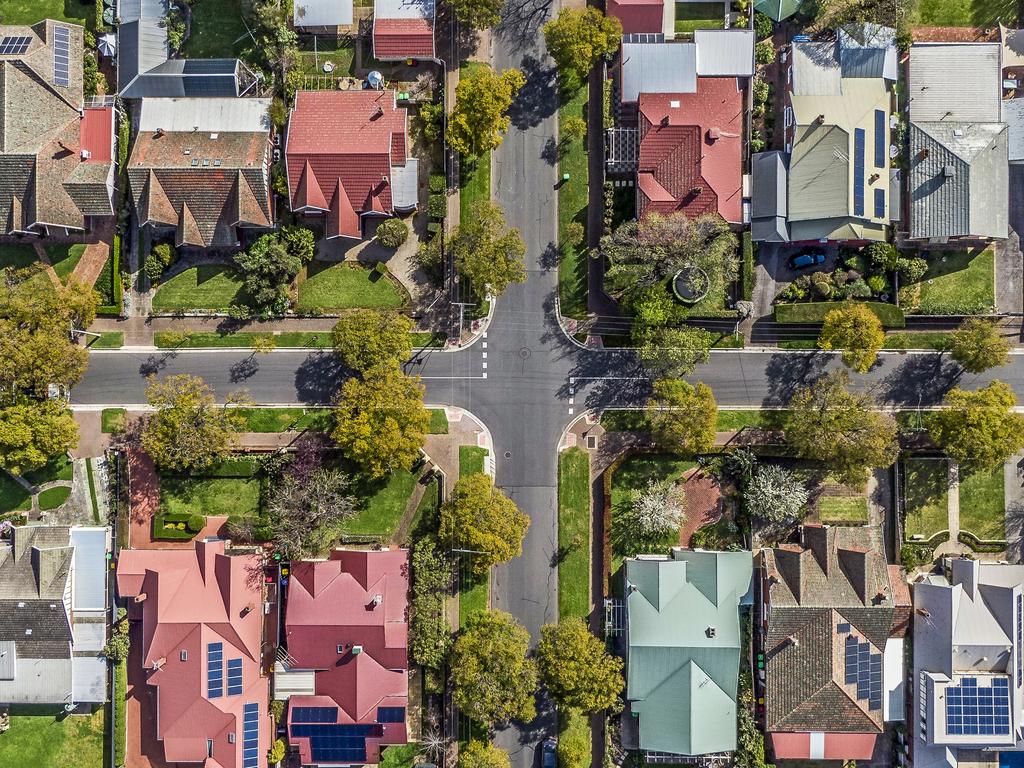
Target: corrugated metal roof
<point>403,9</point>
<point>89,679</point>
<point>816,69</point>
<point>8,659</point>
<point>39,681</point>
<point>895,194</point>
<point>955,82</point>
<point>90,582</point>
<point>1013,115</point>
<point>725,52</point>
<point>819,173</point>
<point>770,182</point>
<point>868,50</point>
<point>658,68</point>
<point>322,13</point>
<point>403,184</point>
<point>208,114</point>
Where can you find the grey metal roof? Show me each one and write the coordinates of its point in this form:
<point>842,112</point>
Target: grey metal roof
<point>959,82</point>
<point>38,681</point>
<point>658,68</point>
<point>8,659</point>
<point>322,13</point>
<point>868,50</point>
<point>89,679</point>
<point>959,180</point>
<point>403,9</point>
<point>403,185</point>
<point>769,197</point>
<point>90,582</point>
<point>1013,116</point>
<point>725,52</point>
<point>819,173</point>
<point>816,69</point>
<point>896,194</point>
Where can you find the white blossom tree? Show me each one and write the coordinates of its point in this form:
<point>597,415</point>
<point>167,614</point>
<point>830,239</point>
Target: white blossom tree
<point>775,494</point>
<point>658,509</point>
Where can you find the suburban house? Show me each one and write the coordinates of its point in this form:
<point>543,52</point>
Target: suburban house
<point>145,67</point>
<point>197,637</point>
<point>968,664</point>
<point>325,15</point>
<point>959,174</point>
<point>686,103</point>
<point>834,617</point>
<point>345,666</point>
<point>403,29</point>
<point>347,159</point>
<point>825,186</point>
<point>53,615</point>
<point>56,147</point>
<point>200,169</point>
<point>683,650</point>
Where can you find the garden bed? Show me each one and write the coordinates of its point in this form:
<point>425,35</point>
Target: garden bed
<point>174,526</point>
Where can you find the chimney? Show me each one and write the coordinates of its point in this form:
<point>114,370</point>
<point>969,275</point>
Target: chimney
<point>713,133</point>
<point>948,171</point>
<point>378,112</point>
<point>160,132</point>
<point>356,650</point>
<point>792,640</point>
<point>377,600</point>
<point>664,120</point>
<point>141,597</point>
<point>696,190</point>
<point>820,119</point>
<point>923,154</point>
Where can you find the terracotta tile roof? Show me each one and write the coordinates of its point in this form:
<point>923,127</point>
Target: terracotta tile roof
<point>638,15</point>
<point>403,38</point>
<point>837,746</point>
<point>690,150</point>
<point>98,133</point>
<point>344,143</point>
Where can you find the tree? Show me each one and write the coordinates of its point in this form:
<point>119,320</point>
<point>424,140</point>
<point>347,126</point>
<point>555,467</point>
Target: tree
<point>978,429</point>
<point>32,432</point>
<point>119,645</point>
<point>575,128</point>
<point>774,494</point>
<point>487,252</point>
<point>479,120</point>
<point>579,38</point>
<point>189,431</point>
<point>576,668</point>
<point>857,331</point>
<point>480,517</point>
<point>430,634</point>
<point>655,511</point>
<point>493,675</point>
<point>478,14</point>
<point>380,422</point>
<point>827,423</point>
<point>431,118</point>
<point>674,352</point>
<point>391,233</point>
<point>264,344</point>
<point>683,416</point>
<point>368,337</point>
<point>276,752</point>
<point>574,747</point>
<point>977,345</point>
<point>483,754</point>
<point>267,270</point>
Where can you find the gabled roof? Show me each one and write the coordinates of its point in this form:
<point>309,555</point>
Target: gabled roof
<point>769,198</point>
<point>403,29</point>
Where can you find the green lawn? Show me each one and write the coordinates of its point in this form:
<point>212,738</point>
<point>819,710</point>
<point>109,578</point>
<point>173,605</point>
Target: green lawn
<point>13,497</point>
<point>231,496</point>
<point>335,286</point>
<point>384,505</point>
<point>217,30</point>
<point>64,258</point>
<point>471,459</point>
<point>45,737</point>
<point>206,339</point>
<point>843,510</point>
<point>572,206</point>
<point>282,419</point>
<point>107,340</point>
<point>52,498</point>
<point>399,755</point>
<point>424,520</point>
<point>112,420</point>
<point>629,420</point>
<point>965,13</point>
<point>428,339</point>
<point>473,598</point>
<point>28,12</point>
<point>438,422</point>
<point>212,286</point>
<point>730,421</point>
<point>925,497</point>
<point>340,53</point>
<point>982,505</point>
<point>59,467</point>
<point>938,340</point>
<point>956,283</point>
<point>474,172</point>
<point>634,474</point>
<point>573,534</point>
<point>815,311</point>
<point>691,16</point>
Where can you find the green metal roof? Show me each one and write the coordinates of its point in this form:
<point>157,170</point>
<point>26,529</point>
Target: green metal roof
<point>777,9</point>
<point>684,648</point>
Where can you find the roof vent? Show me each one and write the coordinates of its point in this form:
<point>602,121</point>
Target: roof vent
<point>214,135</point>
<point>378,112</point>
<point>160,132</point>
<point>820,119</point>
<point>924,612</point>
<point>187,151</point>
<point>958,132</point>
<point>21,604</point>
<point>792,640</point>
<point>195,161</point>
<point>86,154</point>
<point>53,606</point>
<point>217,162</point>
<point>664,120</point>
<point>231,737</point>
<point>674,104</point>
<point>356,650</point>
<point>713,134</point>
<point>28,631</point>
<point>378,599</point>
<point>695,191</point>
<point>712,632</point>
<point>948,171</point>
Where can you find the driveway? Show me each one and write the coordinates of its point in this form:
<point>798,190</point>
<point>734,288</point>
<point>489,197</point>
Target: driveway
<point>774,273</point>
<point>1009,262</point>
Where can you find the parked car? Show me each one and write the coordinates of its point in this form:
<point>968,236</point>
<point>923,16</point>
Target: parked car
<point>548,757</point>
<point>805,260</point>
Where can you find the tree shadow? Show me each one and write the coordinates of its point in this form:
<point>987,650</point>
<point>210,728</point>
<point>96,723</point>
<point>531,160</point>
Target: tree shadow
<point>1015,531</point>
<point>919,380</point>
<point>538,98</point>
<point>153,364</point>
<point>318,378</point>
<point>550,257</point>
<point>521,21</point>
<point>787,373</point>
<point>244,369</point>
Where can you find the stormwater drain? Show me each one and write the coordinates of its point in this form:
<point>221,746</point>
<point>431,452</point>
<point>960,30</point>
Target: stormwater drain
<point>525,352</point>
<point>508,454</point>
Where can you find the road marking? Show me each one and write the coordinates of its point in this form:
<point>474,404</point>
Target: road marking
<point>484,343</point>
<point>484,365</point>
<point>485,355</point>
<point>571,400</point>
<point>570,411</point>
<point>484,376</point>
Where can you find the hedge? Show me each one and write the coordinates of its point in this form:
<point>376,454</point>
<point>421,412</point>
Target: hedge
<point>173,534</point>
<point>933,542</point>
<point>120,705</point>
<point>814,312</point>
<point>748,267</point>
<point>981,545</point>
<point>116,289</point>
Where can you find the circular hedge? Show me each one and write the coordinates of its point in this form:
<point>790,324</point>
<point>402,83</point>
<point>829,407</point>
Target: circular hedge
<point>690,284</point>
<point>392,233</point>
<point>196,523</point>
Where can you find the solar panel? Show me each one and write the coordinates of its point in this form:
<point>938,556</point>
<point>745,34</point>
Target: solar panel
<point>13,46</point>
<point>61,53</point>
<point>390,714</point>
<point>234,677</point>
<point>881,138</point>
<point>858,172</point>
<point>879,203</point>
<point>314,715</point>
<point>214,670</point>
<point>978,710</point>
<point>863,669</point>
<point>250,736</point>
<point>336,743</point>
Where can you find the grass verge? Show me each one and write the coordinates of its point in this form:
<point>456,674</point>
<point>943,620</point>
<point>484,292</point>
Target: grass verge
<point>471,459</point>
<point>815,311</point>
<point>107,340</point>
<point>572,207</point>
<point>112,420</point>
<point>438,421</point>
<point>284,419</point>
<point>573,534</point>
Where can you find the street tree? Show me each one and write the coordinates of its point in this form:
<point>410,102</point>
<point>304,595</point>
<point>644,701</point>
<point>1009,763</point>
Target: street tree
<point>683,416</point>
<point>978,429</point>
<point>977,345</point>
<point>478,14</point>
<point>857,331</point>
<point>483,754</point>
<point>32,432</point>
<point>576,668</point>
<point>380,422</point>
<point>189,431</point>
<point>487,252</point>
<point>479,119</point>
<point>478,516</point>
<point>674,352</point>
<point>493,675</point>
<point>264,344</point>
<point>578,39</point>
<point>366,337</point>
<point>827,423</point>
<point>774,494</point>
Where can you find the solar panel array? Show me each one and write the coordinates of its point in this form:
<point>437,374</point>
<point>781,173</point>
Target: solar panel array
<point>864,669</point>
<point>214,670</point>
<point>975,710</point>
<point>335,743</point>
<point>12,46</point>
<point>1020,640</point>
<point>315,715</point>
<point>390,714</point>
<point>858,172</point>
<point>880,139</point>
<point>61,53</point>
<point>234,677</point>
<point>251,736</point>
<point>879,203</point>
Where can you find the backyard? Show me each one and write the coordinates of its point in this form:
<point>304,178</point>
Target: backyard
<point>982,505</point>
<point>316,50</point>
<point>572,207</point>
<point>218,30</point>
<point>965,13</point>
<point>956,283</point>
<point>211,286</point>
<point>45,737</point>
<point>13,497</point>
<point>28,12</point>
<point>235,497</point>
<point>925,497</point>
<point>573,534</point>
<point>334,286</point>
<point>692,16</point>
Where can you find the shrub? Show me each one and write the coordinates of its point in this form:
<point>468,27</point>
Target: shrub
<point>764,52</point>
<point>877,283</point>
<point>882,255</point>
<point>761,92</point>
<point>438,183</point>
<point>757,142</point>
<point>381,267</point>
<point>276,752</point>
<point>392,233</point>
<point>574,232</point>
<point>575,128</point>
<point>195,523</point>
<point>278,112</point>
<point>911,270</point>
<point>90,75</point>
<point>763,25</point>
<point>437,206</point>
<point>277,710</point>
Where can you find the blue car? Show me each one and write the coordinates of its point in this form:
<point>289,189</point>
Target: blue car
<point>548,757</point>
<point>805,260</point>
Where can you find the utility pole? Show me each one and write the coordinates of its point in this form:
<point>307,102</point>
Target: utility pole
<point>462,311</point>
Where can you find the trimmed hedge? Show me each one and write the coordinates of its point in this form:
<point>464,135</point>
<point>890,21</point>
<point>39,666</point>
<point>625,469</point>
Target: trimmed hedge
<point>176,519</point>
<point>748,267</point>
<point>814,312</point>
<point>981,545</point>
<point>120,705</point>
<point>114,290</point>
<point>933,542</point>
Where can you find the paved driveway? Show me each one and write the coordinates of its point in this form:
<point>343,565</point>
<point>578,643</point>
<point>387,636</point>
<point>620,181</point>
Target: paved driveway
<point>1009,262</point>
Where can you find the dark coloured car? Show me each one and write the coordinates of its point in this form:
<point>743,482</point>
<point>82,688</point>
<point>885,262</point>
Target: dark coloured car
<point>805,260</point>
<point>548,758</point>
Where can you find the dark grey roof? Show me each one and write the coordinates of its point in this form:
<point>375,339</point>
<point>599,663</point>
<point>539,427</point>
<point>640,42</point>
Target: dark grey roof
<point>770,182</point>
<point>863,62</point>
<point>36,563</point>
<point>38,626</point>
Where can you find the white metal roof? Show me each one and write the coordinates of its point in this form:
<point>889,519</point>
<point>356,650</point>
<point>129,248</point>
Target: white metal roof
<point>403,9</point>
<point>90,582</point>
<point>725,52</point>
<point>658,68</point>
<point>322,13</point>
<point>955,82</point>
<point>1013,116</point>
<point>214,114</point>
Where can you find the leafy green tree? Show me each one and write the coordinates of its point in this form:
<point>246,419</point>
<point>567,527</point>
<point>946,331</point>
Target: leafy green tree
<point>828,423</point>
<point>189,431</point>
<point>308,506</point>
<point>367,337</point>
<point>483,754</point>
<point>380,422</point>
<point>478,14</point>
<point>576,668</point>
<point>32,432</point>
<point>391,233</point>
<point>977,345</point>
<point>493,675</point>
<point>578,39</point>
<point>300,242</point>
<point>430,634</point>
<point>487,252</point>
<point>118,646</point>
<point>775,494</point>
<point>574,747</point>
<point>857,331</point>
<point>480,517</point>
<point>978,429</point>
<point>674,352</point>
<point>479,120</point>
<point>683,416</point>
<point>277,751</point>
<point>431,118</point>
<point>575,128</point>
<point>267,271</point>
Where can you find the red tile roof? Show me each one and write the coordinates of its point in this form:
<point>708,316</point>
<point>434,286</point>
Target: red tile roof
<point>690,147</point>
<point>340,150</point>
<point>403,38</point>
<point>638,15</point>
<point>98,133</point>
<point>189,599</point>
<point>838,746</point>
